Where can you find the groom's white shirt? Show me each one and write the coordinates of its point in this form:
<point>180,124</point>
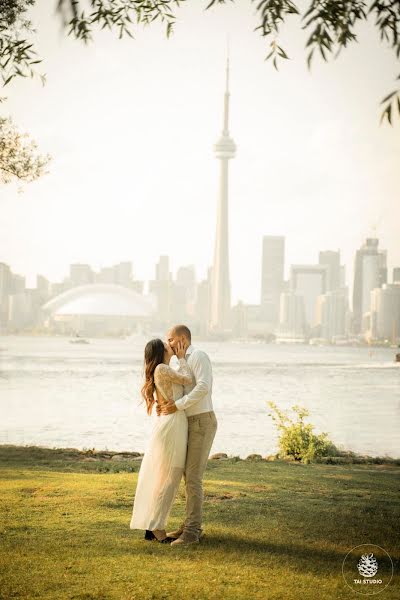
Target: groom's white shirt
<point>197,398</point>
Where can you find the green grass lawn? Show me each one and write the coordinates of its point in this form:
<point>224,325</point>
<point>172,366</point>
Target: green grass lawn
<point>274,530</point>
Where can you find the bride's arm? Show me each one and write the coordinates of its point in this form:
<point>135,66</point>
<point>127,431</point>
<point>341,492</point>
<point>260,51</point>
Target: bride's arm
<point>183,375</point>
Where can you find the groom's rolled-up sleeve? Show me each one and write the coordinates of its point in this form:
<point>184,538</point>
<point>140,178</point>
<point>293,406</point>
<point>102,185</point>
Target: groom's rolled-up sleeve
<point>201,368</point>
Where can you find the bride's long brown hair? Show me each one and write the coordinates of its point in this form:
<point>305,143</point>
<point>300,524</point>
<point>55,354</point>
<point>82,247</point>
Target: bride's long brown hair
<point>153,356</point>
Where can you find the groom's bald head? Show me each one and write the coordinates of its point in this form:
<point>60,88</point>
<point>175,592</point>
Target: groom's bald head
<point>176,333</point>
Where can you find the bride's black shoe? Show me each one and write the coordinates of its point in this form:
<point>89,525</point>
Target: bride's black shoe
<point>149,535</point>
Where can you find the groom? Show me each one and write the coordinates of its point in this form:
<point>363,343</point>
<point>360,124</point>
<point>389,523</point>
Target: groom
<point>202,426</point>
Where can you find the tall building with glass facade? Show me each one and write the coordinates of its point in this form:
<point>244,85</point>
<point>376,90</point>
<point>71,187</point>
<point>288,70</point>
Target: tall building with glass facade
<point>370,272</point>
<point>272,277</point>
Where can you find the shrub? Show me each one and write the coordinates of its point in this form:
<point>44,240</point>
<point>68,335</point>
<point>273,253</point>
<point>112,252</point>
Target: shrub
<point>297,439</point>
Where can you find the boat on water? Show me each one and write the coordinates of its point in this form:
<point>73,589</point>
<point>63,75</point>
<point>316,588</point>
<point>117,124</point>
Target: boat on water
<point>79,340</point>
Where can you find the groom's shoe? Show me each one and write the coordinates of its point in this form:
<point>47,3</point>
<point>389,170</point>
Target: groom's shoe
<point>185,540</point>
<point>178,532</point>
<point>175,534</point>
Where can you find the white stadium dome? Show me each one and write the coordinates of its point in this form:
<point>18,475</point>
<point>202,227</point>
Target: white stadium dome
<point>101,300</point>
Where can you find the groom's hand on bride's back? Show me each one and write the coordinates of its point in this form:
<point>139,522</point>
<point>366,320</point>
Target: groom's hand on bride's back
<point>166,409</point>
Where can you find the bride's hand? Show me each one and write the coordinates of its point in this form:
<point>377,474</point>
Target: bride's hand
<point>181,349</point>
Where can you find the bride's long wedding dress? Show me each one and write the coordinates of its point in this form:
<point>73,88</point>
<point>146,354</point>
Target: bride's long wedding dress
<point>164,459</point>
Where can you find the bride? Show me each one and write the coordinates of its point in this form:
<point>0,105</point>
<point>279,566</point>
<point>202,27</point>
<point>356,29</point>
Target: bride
<point>164,459</point>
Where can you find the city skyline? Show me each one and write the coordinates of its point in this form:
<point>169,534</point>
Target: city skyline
<point>313,304</point>
<point>287,266</point>
<point>162,270</point>
<point>132,182</point>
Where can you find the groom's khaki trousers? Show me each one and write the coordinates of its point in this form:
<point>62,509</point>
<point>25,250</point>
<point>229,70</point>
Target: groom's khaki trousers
<point>201,432</point>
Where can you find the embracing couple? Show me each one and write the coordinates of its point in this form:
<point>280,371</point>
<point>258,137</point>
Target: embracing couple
<point>181,438</point>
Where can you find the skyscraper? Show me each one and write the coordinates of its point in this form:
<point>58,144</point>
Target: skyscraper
<point>370,272</point>
<point>123,273</point>
<point>385,312</point>
<point>5,291</point>
<point>162,269</point>
<point>396,275</point>
<point>331,259</point>
<point>225,149</point>
<point>80,274</point>
<point>332,309</point>
<point>203,304</point>
<point>186,277</point>
<point>162,288</point>
<point>292,317</point>
<point>272,272</point>
<point>309,281</point>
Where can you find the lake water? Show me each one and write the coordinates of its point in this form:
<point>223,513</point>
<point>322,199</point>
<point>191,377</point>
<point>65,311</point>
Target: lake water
<point>54,393</point>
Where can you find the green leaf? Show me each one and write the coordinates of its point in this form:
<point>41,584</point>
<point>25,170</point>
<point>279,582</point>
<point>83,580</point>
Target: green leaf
<point>389,96</point>
<point>308,12</point>
<point>389,113</point>
<point>310,40</point>
<point>309,58</point>
<point>282,53</point>
<point>385,114</point>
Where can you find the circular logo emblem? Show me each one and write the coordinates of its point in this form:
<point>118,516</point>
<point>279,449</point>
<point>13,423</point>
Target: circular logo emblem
<point>367,569</point>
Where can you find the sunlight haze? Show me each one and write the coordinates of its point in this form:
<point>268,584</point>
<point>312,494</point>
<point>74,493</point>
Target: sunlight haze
<point>131,126</point>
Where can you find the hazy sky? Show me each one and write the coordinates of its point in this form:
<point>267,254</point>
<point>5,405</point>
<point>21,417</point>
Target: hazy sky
<point>131,126</point>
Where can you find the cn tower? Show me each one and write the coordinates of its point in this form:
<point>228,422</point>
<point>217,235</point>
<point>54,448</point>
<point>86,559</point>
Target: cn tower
<point>225,149</point>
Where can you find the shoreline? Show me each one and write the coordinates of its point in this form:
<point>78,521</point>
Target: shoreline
<point>42,453</point>
<point>348,343</point>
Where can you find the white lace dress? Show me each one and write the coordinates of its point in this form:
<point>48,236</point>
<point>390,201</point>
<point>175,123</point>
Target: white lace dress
<point>165,456</point>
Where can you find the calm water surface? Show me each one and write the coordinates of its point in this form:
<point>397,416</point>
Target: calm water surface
<point>54,393</point>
